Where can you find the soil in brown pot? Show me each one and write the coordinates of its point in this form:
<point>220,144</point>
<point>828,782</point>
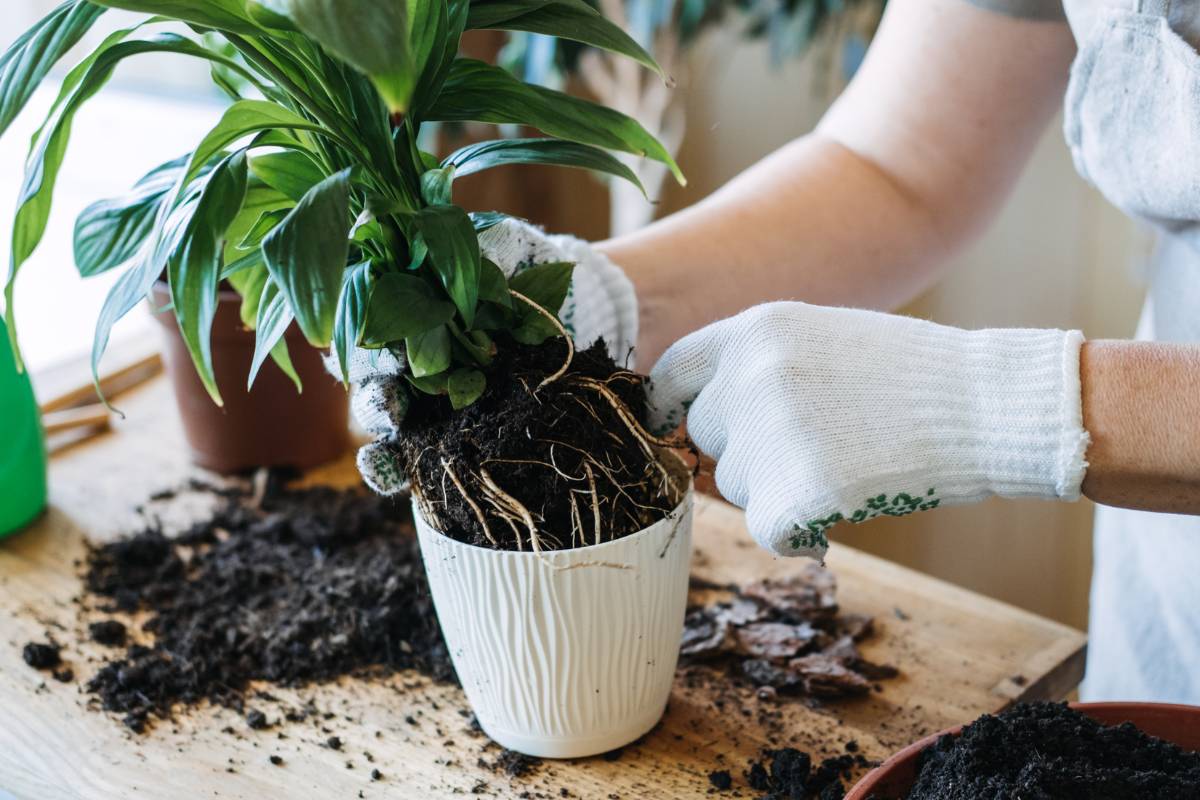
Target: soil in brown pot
<point>1047,751</point>
<point>546,459</point>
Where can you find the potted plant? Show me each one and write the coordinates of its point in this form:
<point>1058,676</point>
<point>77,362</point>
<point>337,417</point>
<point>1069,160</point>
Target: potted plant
<point>555,529</point>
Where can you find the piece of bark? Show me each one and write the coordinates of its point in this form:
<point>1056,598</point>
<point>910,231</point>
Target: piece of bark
<point>773,640</point>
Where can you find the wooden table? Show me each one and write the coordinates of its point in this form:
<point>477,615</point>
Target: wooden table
<point>960,655</point>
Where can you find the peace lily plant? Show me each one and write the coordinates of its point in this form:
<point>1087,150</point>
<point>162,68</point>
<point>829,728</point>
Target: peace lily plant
<point>311,195</point>
<point>313,198</point>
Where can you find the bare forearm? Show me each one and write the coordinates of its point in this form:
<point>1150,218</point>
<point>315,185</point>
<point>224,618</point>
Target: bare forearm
<point>813,221</point>
<point>1141,406</point>
<point>908,164</point>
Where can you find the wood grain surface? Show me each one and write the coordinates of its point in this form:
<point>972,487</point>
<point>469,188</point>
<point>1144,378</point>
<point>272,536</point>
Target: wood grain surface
<point>960,655</point>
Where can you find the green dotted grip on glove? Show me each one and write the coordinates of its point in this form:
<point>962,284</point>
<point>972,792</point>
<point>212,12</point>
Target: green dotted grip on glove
<point>22,447</point>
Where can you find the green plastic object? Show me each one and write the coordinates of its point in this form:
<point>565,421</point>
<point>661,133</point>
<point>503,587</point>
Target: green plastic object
<point>22,446</point>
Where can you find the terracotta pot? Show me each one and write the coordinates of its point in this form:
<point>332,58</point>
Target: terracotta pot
<point>894,778</point>
<point>273,425</point>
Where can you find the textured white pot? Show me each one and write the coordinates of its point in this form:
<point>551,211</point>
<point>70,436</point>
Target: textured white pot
<point>565,663</point>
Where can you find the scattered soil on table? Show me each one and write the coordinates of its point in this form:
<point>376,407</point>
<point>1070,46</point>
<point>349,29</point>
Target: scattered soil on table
<point>1047,751</point>
<point>284,585</point>
<point>786,636</point>
<point>511,763</point>
<point>790,774</point>
<point>40,655</point>
<point>571,457</point>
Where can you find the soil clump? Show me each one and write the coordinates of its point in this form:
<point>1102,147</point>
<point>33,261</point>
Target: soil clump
<point>542,460</point>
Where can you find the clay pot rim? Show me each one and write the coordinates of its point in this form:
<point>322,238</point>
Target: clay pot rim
<point>875,778</point>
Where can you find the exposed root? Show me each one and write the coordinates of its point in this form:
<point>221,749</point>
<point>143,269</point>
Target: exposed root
<point>563,331</point>
<point>487,531</point>
<point>515,506</point>
<point>595,499</point>
<point>626,416</point>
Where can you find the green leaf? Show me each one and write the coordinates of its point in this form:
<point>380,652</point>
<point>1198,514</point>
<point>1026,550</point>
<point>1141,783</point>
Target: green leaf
<point>564,19</point>
<point>283,360</point>
<point>351,314</point>
<point>547,285</point>
<point>242,119</point>
<point>493,286</point>
<point>499,152</point>
<point>436,67</point>
<point>249,284</point>
<point>193,267</point>
<point>260,199</point>
<point>429,352</point>
<point>454,253</point>
<point>482,220</point>
<point>266,222</point>
<point>477,345</point>
<point>50,143</point>
<point>433,384</point>
<point>402,306</point>
<point>135,283</point>
<point>28,59</point>
<point>465,386</point>
<point>478,92</point>
<point>436,186</point>
<point>271,323</point>
<point>225,15</point>
<point>110,232</point>
<point>307,252</point>
<point>370,35</point>
<point>291,172</point>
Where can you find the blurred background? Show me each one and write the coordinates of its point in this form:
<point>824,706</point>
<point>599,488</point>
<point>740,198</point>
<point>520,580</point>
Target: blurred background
<point>751,76</point>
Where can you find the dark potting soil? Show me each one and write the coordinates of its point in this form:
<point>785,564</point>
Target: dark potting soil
<point>572,453</point>
<point>293,587</point>
<point>786,636</point>
<point>40,655</point>
<point>1047,751</point>
<point>790,774</point>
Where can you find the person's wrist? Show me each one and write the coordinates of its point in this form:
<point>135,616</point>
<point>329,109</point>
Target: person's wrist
<point>1031,441</point>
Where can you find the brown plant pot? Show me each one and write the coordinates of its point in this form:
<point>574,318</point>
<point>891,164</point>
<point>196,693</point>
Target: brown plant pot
<point>1173,723</point>
<point>270,426</point>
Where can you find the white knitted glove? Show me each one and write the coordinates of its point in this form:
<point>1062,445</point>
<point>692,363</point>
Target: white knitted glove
<point>600,304</point>
<point>819,415</point>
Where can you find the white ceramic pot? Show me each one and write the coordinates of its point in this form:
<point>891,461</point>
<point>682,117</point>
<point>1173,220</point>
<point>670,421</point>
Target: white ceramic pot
<point>565,663</point>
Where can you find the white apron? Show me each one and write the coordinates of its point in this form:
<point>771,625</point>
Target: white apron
<point>1133,125</point>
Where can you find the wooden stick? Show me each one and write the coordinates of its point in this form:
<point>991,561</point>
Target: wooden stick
<point>95,415</point>
<point>112,384</point>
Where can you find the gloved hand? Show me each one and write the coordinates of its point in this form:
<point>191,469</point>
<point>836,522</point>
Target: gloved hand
<point>601,303</point>
<point>818,415</point>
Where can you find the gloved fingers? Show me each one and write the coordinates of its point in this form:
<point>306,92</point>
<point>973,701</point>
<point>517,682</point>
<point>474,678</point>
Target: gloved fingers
<point>365,363</point>
<point>707,424</point>
<point>381,469</point>
<point>379,404</point>
<point>680,375</point>
<point>514,245</point>
<point>788,530</point>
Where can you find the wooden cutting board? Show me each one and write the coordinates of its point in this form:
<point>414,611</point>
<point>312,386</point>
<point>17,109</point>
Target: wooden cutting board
<point>960,654</point>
